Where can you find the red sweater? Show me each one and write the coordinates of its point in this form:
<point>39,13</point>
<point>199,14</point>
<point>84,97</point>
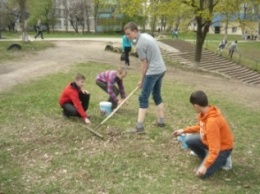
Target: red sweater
<point>215,133</point>
<point>71,95</point>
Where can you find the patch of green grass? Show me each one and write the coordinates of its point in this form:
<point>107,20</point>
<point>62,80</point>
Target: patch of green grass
<point>10,35</point>
<point>42,152</point>
<point>27,48</point>
<point>190,35</point>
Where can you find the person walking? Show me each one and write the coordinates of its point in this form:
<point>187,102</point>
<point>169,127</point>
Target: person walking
<point>232,48</point>
<point>39,29</point>
<point>175,33</point>
<point>221,46</point>
<point>127,46</point>
<point>152,72</point>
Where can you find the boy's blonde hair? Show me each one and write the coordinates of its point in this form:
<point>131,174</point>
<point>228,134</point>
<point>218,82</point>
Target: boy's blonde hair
<point>79,76</point>
<point>121,71</point>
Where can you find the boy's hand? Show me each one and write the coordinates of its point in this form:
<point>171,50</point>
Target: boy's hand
<point>87,121</point>
<point>140,84</point>
<point>178,132</point>
<point>125,101</point>
<point>85,91</point>
<point>201,171</point>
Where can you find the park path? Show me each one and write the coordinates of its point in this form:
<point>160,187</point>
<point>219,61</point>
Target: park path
<point>70,52</point>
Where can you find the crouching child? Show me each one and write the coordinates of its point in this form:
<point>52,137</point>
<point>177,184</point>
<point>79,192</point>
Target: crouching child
<point>211,139</point>
<point>74,100</point>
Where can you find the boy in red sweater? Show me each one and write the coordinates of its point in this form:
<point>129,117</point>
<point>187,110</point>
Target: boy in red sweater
<point>74,101</point>
<point>211,139</point>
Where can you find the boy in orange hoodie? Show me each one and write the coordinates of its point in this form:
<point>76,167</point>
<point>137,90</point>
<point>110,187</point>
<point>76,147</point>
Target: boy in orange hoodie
<point>211,139</point>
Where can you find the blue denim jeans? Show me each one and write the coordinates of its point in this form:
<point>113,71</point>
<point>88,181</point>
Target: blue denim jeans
<point>151,83</point>
<point>195,144</point>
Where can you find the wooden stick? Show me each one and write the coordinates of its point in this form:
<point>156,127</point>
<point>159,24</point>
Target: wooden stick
<point>96,133</point>
<point>114,111</point>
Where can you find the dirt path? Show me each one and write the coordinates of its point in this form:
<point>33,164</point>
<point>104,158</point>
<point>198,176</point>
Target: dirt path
<point>67,53</point>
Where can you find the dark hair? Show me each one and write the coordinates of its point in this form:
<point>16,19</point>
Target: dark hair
<point>79,76</point>
<point>131,26</point>
<point>199,98</point>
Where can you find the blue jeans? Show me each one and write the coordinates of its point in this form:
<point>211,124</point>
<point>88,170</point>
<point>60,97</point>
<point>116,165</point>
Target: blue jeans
<point>195,144</point>
<point>151,83</point>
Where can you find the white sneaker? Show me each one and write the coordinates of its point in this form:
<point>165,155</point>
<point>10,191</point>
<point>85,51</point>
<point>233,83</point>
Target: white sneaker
<point>228,164</point>
<point>193,153</point>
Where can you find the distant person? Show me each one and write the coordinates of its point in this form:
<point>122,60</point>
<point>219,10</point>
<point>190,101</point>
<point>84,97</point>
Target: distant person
<point>127,46</point>
<point>175,33</point>
<point>74,100</point>
<point>106,81</point>
<point>211,139</point>
<point>232,48</point>
<point>152,72</point>
<point>221,46</point>
<point>39,29</point>
<point>159,30</point>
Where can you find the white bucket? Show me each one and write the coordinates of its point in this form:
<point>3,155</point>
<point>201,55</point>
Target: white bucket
<point>105,108</point>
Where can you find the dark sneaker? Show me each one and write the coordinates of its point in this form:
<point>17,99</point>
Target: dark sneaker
<point>64,114</point>
<point>136,131</point>
<point>160,124</point>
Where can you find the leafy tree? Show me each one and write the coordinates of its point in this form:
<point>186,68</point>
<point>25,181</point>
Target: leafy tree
<point>45,11</point>
<point>136,10</point>
<point>227,10</point>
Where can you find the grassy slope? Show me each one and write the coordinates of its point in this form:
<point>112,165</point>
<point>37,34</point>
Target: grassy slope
<point>28,48</point>
<point>41,152</point>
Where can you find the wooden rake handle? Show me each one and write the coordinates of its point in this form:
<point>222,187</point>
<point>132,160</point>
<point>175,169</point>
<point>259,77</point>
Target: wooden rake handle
<point>121,104</point>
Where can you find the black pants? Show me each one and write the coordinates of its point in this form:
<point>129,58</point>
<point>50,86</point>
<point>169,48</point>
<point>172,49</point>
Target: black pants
<point>70,110</point>
<point>127,51</point>
<point>39,33</point>
<point>103,86</point>
<point>231,53</point>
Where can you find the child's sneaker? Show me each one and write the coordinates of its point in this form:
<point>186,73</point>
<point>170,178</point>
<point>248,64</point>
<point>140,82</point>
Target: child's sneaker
<point>228,164</point>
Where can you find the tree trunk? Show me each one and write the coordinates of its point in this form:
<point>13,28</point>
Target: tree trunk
<point>226,27</point>
<point>0,33</point>
<point>202,30</point>
<point>88,22</point>
<point>22,7</point>
<point>48,27</point>
<point>153,23</point>
<point>198,48</point>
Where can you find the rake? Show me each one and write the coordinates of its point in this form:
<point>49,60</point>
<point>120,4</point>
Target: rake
<point>114,111</point>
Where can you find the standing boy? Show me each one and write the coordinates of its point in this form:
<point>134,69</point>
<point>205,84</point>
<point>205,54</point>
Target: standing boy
<point>39,29</point>
<point>127,45</point>
<point>232,48</point>
<point>211,139</point>
<point>152,72</point>
<point>221,46</point>
<point>73,100</point>
<point>106,80</point>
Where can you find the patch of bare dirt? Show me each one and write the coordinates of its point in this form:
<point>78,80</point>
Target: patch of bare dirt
<point>67,53</point>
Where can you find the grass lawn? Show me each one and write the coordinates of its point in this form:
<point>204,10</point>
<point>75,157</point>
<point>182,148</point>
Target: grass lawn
<point>10,35</point>
<point>30,47</point>
<point>42,152</point>
<point>247,55</point>
<point>189,35</point>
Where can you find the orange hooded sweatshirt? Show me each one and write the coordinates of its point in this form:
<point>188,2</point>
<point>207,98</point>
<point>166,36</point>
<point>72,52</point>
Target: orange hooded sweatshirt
<point>215,133</point>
